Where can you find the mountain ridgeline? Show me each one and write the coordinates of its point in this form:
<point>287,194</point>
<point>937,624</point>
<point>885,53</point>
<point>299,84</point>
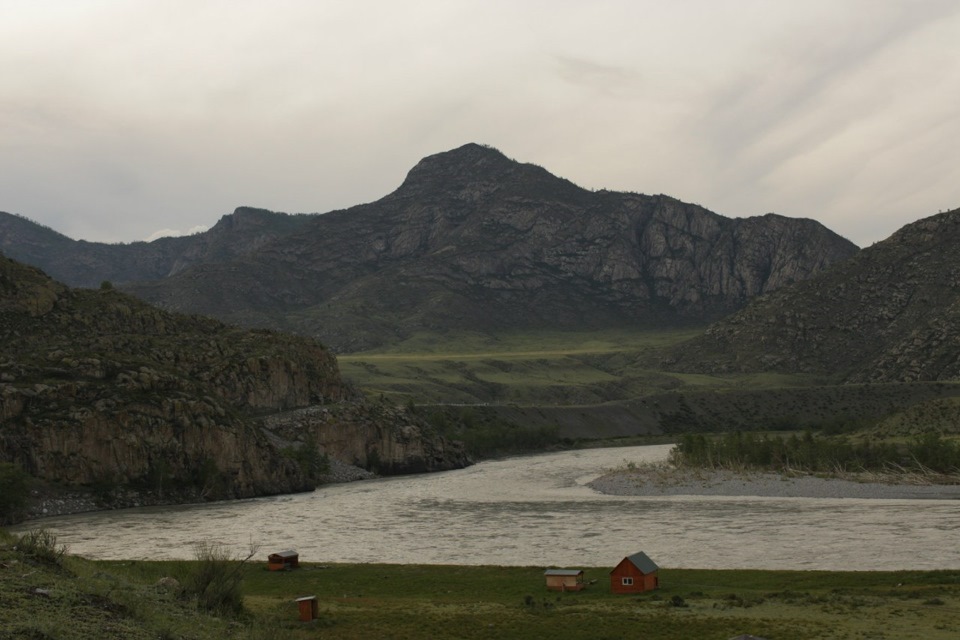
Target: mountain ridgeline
<point>470,241</point>
<point>889,314</point>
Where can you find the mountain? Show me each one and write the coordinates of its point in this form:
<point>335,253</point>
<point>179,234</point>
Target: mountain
<point>100,390</point>
<point>79,263</point>
<point>889,314</point>
<point>474,241</point>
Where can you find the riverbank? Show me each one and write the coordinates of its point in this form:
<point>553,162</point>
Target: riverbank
<point>664,480</point>
<point>52,501</point>
<point>72,597</point>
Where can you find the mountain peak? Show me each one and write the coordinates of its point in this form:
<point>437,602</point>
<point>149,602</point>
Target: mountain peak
<point>477,169</point>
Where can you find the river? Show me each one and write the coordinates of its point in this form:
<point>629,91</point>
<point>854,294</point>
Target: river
<point>535,511</point>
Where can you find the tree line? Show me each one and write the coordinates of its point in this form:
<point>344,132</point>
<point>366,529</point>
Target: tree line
<point>810,453</point>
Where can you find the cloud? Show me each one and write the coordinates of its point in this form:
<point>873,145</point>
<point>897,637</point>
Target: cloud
<point>166,233</point>
<point>118,118</point>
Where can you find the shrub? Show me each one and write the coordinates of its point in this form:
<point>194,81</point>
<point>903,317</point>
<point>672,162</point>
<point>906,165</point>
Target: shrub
<point>215,579</point>
<point>41,545</point>
<point>312,463</point>
<point>13,493</point>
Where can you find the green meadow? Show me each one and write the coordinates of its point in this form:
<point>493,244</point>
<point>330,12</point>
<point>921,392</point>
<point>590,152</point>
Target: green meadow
<point>70,597</point>
<point>609,384</point>
<point>531,368</point>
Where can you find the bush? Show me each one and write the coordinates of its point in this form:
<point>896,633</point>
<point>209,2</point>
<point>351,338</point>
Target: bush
<point>810,453</point>
<point>41,545</point>
<point>215,579</point>
<point>312,463</point>
<point>13,493</point>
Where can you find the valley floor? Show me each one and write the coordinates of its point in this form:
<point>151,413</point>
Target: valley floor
<point>669,481</point>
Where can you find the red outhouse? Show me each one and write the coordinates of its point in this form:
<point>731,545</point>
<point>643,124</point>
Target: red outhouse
<point>283,560</point>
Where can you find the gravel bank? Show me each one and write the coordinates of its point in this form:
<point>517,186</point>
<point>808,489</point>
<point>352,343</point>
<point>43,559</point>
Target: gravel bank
<point>667,481</point>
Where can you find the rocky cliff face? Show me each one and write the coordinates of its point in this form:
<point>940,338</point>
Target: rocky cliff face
<point>355,433</point>
<point>888,314</point>
<point>100,390</point>
<point>475,241</point>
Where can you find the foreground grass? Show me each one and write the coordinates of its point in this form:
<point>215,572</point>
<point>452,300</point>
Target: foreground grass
<point>87,599</point>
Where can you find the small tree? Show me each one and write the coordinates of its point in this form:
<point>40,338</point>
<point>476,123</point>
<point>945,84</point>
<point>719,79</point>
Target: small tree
<point>13,493</point>
<point>215,579</point>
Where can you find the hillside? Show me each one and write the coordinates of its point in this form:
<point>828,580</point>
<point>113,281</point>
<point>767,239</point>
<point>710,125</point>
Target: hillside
<point>100,391</point>
<point>889,314</point>
<point>475,241</point>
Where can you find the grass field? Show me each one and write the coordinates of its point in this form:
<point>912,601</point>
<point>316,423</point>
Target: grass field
<point>609,384</point>
<point>87,599</point>
<point>545,368</point>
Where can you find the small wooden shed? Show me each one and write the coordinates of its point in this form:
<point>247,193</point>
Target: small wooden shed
<point>282,560</point>
<point>635,574</point>
<point>564,579</point>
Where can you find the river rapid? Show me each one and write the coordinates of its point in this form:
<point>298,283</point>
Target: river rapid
<point>535,511</point>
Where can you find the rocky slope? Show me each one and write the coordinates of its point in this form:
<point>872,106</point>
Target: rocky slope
<point>100,390</point>
<point>889,314</point>
<point>475,241</point>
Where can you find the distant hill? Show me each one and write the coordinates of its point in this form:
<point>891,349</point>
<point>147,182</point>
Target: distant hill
<point>79,263</point>
<point>100,390</point>
<point>889,314</point>
<point>470,241</point>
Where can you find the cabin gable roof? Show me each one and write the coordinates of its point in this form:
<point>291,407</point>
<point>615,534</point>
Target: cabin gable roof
<point>641,561</point>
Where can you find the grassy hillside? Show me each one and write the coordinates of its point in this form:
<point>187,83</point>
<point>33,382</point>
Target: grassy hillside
<point>610,384</point>
<point>524,368</point>
<point>76,598</point>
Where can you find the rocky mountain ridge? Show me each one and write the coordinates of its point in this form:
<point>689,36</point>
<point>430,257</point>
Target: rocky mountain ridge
<point>889,314</point>
<point>99,390</point>
<point>79,263</point>
<point>475,241</point>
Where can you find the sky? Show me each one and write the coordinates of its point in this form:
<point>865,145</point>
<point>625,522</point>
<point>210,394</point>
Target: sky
<point>125,120</point>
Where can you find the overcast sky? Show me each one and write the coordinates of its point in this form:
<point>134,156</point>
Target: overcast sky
<point>119,119</point>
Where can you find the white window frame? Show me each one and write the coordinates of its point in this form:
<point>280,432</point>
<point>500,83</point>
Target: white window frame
<point>627,582</point>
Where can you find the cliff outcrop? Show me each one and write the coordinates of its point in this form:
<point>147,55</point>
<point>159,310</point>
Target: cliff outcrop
<point>354,432</point>
<point>101,391</point>
<point>890,314</point>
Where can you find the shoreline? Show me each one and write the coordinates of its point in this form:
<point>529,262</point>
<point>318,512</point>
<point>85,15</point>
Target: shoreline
<point>50,504</point>
<point>655,481</point>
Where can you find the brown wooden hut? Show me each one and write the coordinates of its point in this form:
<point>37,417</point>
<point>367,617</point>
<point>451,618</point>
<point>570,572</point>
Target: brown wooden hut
<point>635,574</point>
<point>281,560</point>
<point>564,579</point>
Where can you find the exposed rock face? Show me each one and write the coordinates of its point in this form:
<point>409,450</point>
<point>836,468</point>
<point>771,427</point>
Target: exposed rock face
<point>473,240</point>
<point>355,433</point>
<point>889,314</point>
<point>98,389</point>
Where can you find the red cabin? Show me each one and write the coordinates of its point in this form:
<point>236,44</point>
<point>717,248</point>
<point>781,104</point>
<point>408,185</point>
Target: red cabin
<point>635,574</point>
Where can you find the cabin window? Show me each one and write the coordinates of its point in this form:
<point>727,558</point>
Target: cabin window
<point>627,582</point>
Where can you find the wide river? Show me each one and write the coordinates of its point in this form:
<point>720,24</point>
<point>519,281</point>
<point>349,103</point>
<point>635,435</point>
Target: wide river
<point>535,511</point>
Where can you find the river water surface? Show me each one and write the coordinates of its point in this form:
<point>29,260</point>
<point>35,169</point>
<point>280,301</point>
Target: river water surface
<point>535,511</point>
